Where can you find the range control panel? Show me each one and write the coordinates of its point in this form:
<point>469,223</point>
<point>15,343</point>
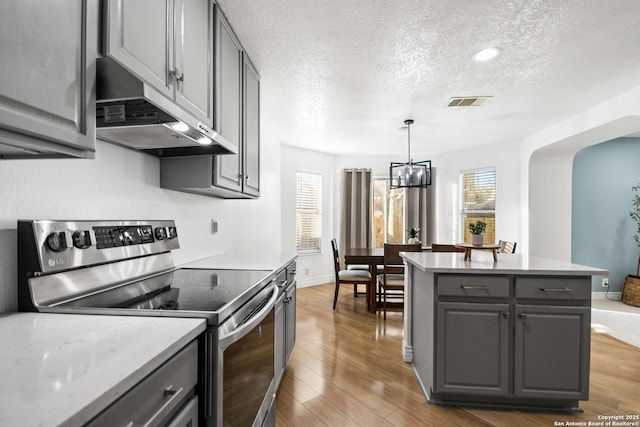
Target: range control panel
<point>63,245</point>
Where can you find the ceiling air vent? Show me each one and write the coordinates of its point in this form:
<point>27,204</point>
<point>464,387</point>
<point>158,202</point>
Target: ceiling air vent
<point>468,101</point>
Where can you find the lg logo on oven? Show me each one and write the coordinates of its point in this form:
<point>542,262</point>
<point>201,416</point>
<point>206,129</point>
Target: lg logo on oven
<point>53,262</point>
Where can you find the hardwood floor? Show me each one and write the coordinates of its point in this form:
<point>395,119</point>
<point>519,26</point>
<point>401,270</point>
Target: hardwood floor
<point>347,370</point>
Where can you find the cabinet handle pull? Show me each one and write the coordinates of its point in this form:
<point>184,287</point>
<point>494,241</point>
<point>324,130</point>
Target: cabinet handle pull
<point>523,316</point>
<point>555,289</point>
<point>288,300</point>
<point>178,76</point>
<point>474,287</point>
<point>506,314</point>
<point>169,391</point>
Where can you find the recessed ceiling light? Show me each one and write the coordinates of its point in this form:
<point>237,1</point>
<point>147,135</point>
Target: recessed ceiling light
<point>486,54</point>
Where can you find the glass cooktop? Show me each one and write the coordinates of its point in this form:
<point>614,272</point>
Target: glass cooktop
<point>213,294</point>
<point>203,290</point>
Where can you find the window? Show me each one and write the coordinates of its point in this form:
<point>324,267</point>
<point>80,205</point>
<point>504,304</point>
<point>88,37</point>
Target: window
<point>388,213</point>
<point>479,201</point>
<point>308,212</point>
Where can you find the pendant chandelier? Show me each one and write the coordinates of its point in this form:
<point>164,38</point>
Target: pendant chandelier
<point>411,174</point>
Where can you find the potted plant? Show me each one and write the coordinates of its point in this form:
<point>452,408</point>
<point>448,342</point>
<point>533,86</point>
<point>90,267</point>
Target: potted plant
<point>413,235</point>
<point>631,288</point>
<point>476,230</point>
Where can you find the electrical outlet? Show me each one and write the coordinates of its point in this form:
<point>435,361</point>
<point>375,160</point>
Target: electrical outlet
<point>605,282</point>
<point>306,271</point>
<point>214,226</point>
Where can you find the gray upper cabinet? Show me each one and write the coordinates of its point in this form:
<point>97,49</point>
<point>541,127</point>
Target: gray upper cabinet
<point>237,119</point>
<point>169,45</point>
<point>228,169</point>
<point>251,129</point>
<point>47,90</point>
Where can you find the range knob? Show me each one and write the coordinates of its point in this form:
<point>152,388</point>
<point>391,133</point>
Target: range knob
<point>172,232</point>
<point>161,233</point>
<point>82,239</point>
<point>58,241</point>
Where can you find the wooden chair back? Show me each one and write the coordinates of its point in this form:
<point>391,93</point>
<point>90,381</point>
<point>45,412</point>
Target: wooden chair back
<point>336,256</point>
<point>392,259</point>
<point>507,247</point>
<point>439,247</point>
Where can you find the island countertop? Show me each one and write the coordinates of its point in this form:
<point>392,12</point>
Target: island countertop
<point>64,369</point>
<point>482,263</point>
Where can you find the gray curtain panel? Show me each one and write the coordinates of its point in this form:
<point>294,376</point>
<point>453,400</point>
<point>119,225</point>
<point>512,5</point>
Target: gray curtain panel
<point>356,210</point>
<point>420,210</point>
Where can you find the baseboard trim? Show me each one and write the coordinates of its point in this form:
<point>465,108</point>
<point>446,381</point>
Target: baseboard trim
<point>600,296</point>
<point>303,283</point>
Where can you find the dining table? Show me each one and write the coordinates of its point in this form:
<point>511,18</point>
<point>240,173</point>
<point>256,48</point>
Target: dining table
<point>373,257</point>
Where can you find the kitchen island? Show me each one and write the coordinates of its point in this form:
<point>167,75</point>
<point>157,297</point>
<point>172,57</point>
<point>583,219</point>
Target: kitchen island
<point>513,333</point>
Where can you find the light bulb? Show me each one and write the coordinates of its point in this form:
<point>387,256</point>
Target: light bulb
<point>180,127</point>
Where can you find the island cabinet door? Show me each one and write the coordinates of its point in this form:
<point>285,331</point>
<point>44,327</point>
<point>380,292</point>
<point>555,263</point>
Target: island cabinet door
<point>472,348</point>
<point>552,352</point>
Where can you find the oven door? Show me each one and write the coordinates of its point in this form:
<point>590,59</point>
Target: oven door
<point>245,380</point>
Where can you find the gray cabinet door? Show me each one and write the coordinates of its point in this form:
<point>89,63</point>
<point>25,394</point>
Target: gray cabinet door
<point>472,348</point>
<point>552,351</point>
<point>139,35</point>
<point>228,94</point>
<point>251,134</point>
<point>290,319</point>
<point>194,52</point>
<point>279,340</point>
<point>47,90</point>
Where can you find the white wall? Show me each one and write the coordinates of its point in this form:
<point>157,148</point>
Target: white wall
<point>547,160</point>
<point>313,269</point>
<point>123,184</point>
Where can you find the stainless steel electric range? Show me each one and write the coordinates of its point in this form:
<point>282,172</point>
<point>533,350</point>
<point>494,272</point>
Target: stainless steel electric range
<point>127,268</point>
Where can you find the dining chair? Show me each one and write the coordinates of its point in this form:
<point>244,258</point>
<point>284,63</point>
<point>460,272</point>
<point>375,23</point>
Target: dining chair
<point>440,247</point>
<point>360,267</point>
<point>391,281</point>
<point>352,277</point>
<point>364,267</point>
<point>507,247</point>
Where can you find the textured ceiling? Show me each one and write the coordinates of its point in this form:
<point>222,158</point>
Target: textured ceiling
<point>340,76</point>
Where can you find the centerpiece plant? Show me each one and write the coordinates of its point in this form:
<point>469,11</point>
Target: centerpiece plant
<point>476,229</point>
<point>413,235</point>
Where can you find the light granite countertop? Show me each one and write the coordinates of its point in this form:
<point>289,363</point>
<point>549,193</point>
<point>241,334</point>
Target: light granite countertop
<point>64,369</point>
<point>482,262</point>
<point>243,261</point>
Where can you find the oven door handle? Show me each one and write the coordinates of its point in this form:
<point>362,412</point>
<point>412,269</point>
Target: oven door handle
<point>229,338</point>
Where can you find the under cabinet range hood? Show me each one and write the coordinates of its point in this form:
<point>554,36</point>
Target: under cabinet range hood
<point>133,114</point>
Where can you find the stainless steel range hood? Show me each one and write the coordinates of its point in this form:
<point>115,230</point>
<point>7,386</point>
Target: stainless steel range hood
<point>133,114</point>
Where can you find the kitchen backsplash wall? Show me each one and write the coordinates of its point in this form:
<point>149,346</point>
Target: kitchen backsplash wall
<point>123,184</point>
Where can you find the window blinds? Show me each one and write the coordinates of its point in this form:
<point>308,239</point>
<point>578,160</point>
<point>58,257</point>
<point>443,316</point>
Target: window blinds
<point>479,191</point>
<point>308,212</point>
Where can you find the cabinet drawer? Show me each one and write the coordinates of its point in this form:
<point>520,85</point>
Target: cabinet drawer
<point>473,286</point>
<point>281,277</point>
<point>158,396</point>
<point>291,272</point>
<point>553,288</point>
